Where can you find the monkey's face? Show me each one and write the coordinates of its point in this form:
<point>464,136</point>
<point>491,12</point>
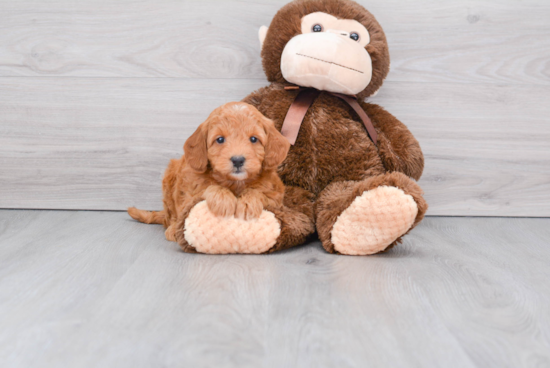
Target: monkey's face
<point>329,55</point>
<point>331,45</point>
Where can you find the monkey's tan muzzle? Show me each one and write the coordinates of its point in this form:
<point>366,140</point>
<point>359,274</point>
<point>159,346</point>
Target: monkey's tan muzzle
<point>323,61</point>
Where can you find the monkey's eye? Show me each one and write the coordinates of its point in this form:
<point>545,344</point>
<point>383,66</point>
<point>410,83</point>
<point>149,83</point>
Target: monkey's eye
<point>317,28</point>
<point>253,139</point>
<point>354,36</point>
<point>220,140</point>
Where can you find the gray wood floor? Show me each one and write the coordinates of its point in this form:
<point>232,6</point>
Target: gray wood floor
<point>96,289</point>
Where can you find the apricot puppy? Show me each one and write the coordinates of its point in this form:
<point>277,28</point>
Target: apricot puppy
<point>230,162</point>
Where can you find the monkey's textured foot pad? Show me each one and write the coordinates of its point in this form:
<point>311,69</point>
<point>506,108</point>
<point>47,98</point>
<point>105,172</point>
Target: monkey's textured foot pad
<point>224,235</point>
<point>373,221</point>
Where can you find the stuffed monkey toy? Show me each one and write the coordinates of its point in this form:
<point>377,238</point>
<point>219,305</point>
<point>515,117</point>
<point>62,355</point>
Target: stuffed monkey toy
<point>351,172</point>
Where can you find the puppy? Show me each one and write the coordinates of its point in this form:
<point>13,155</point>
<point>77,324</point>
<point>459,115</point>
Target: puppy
<point>231,162</point>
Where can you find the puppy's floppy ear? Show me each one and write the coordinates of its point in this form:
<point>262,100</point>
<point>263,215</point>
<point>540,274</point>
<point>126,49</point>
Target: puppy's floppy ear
<point>195,149</point>
<point>276,148</point>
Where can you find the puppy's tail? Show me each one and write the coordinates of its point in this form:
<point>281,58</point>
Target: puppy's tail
<point>147,217</point>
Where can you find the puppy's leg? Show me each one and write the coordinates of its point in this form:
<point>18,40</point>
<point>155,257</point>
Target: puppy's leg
<point>249,204</point>
<point>221,201</point>
<point>170,233</point>
<point>171,190</point>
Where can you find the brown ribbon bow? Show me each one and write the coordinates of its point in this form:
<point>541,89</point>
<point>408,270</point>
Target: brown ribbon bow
<point>302,103</point>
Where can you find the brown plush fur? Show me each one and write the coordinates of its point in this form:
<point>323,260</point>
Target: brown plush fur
<point>333,144</point>
<point>206,171</point>
<point>333,160</point>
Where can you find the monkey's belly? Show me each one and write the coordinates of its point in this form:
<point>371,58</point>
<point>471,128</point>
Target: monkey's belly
<point>332,154</point>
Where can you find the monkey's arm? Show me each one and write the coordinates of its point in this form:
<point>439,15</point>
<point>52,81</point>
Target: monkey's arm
<point>397,146</point>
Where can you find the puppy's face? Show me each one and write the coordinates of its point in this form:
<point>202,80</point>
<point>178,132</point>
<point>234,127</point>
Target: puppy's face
<point>238,142</point>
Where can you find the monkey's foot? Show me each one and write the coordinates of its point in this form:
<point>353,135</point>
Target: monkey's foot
<point>208,233</point>
<point>373,221</point>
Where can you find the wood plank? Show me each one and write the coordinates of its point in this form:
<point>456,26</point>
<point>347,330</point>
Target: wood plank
<point>486,147</point>
<point>93,143</point>
<point>488,41</point>
<point>88,143</point>
<point>103,290</point>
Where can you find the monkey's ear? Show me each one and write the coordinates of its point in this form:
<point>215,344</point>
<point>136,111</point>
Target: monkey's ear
<point>196,154</point>
<point>261,34</point>
<point>276,148</point>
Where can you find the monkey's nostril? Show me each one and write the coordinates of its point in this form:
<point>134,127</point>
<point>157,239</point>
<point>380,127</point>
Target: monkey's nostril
<point>238,161</point>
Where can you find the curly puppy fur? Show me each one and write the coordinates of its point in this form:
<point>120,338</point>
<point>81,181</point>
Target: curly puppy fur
<point>207,171</point>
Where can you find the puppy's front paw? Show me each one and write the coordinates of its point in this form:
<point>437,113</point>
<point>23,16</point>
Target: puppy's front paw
<point>222,207</point>
<point>249,208</point>
<point>220,201</point>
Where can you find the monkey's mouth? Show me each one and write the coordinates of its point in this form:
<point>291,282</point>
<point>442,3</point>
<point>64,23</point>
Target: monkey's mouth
<point>330,62</point>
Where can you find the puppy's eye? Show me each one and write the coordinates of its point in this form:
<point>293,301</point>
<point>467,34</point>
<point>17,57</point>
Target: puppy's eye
<point>220,140</point>
<point>253,139</point>
<point>354,36</point>
<point>317,28</point>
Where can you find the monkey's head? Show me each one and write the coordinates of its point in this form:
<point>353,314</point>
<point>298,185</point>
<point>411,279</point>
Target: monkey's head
<point>330,45</point>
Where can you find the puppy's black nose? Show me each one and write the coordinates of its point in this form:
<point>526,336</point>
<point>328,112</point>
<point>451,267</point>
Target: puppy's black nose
<point>238,161</point>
